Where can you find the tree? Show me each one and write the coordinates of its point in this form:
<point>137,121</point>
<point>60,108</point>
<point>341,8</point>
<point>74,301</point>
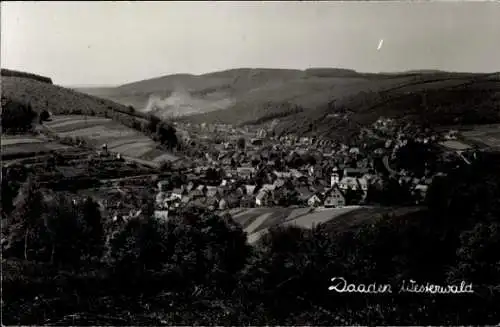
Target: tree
<point>44,116</point>
<point>8,195</point>
<point>353,197</point>
<point>166,165</point>
<point>192,248</point>
<point>478,255</point>
<point>166,134</point>
<point>16,116</point>
<point>27,212</point>
<point>153,122</point>
<point>93,230</point>
<point>241,143</point>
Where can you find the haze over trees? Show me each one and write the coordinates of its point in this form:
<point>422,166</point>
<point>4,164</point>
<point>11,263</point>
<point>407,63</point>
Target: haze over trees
<point>328,101</point>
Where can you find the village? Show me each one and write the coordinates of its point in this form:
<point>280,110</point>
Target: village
<point>249,168</point>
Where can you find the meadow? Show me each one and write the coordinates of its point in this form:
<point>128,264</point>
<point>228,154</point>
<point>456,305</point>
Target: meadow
<point>486,135</point>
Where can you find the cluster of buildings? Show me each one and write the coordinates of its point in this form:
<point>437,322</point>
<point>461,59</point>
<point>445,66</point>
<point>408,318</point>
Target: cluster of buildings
<point>270,171</point>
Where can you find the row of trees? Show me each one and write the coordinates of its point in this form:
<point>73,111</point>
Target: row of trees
<point>153,126</point>
<point>162,132</point>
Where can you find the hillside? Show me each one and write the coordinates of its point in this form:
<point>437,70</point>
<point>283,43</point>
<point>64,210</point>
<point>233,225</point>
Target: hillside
<point>434,100</point>
<point>321,99</point>
<point>22,88</point>
<point>225,89</point>
<point>14,73</point>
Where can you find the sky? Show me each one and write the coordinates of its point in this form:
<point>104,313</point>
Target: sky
<point>111,43</point>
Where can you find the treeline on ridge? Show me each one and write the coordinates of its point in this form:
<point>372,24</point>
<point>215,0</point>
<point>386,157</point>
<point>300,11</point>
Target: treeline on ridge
<point>15,73</point>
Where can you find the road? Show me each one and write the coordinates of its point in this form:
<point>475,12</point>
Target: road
<point>127,178</point>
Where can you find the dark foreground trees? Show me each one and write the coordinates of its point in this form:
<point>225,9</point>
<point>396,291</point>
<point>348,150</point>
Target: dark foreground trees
<point>196,268</point>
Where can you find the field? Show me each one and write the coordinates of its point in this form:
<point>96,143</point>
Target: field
<point>16,146</point>
<point>257,221</point>
<point>455,145</point>
<point>119,138</point>
<point>486,135</point>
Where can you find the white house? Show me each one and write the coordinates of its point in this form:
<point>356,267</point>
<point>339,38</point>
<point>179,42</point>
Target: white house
<point>262,198</point>
<point>349,183</point>
<point>334,198</point>
<point>314,201</point>
<point>162,185</point>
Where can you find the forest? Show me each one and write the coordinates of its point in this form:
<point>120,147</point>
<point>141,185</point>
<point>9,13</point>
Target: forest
<point>64,263</point>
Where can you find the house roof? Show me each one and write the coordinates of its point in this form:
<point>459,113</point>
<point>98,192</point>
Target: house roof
<point>349,181</point>
<point>334,189</point>
<point>421,187</point>
<point>212,191</point>
<point>282,173</point>
<point>362,182</point>
<point>250,189</point>
<point>247,170</point>
<point>305,193</point>
<point>196,192</point>
<point>279,182</point>
<point>349,170</point>
<point>268,187</point>
<point>261,195</point>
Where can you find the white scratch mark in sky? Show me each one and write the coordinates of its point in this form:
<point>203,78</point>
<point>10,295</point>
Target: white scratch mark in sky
<point>380,44</point>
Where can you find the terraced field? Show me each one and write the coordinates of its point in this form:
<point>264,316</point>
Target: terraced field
<point>119,138</point>
<point>486,135</point>
<point>257,221</point>
<point>16,146</point>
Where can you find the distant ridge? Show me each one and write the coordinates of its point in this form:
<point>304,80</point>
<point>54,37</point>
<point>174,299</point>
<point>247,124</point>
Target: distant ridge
<point>318,101</point>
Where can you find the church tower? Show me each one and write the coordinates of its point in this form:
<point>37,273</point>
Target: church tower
<point>335,177</point>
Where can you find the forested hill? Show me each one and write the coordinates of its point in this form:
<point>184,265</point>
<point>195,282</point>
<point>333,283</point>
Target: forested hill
<point>434,98</point>
<point>317,101</point>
